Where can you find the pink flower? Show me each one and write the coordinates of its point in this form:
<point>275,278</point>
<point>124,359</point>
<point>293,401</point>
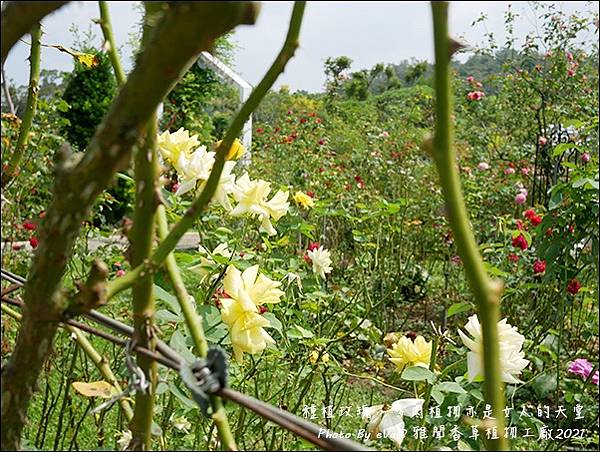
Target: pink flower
<point>175,187</point>
<point>470,79</point>
<point>569,56</point>
<point>120,273</point>
<point>521,198</point>
<point>512,257</point>
<point>586,157</point>
<point>525,171</point>
<point>508,171</point>
<point>542,141</point>
<point>483,166</point>
<point>479,85</point>
<point>456,260</point>
<point>570,73</point>
<point>583,368</point>
<point>475,95</point>
<point>539,267</point>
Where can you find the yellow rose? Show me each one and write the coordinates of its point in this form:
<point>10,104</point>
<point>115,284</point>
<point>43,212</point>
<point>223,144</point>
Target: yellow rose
<point>407,352</point>
<point>303,200</point>
<point>235,151</point>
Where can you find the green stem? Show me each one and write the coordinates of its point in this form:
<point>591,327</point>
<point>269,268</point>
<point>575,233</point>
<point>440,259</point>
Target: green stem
<point>485,291</point>
<point>192,319</point>
<point>32,95</point>
<point>109,37</point>
<point>194,323</point>
<point>142,238</point>
<point>201,202</point>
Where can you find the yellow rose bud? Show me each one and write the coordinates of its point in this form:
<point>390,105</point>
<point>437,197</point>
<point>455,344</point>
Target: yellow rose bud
<point>303,200</point>
<point>235,151</point>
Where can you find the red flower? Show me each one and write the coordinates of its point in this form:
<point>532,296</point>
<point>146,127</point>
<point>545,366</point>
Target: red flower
<point>29,226</point>
<point>318,120</point>
<point>262,309</point>
<point>311,194</point>
<point>512,257</point>
<point>549,232</point>
<point>539,267</point>
<point>277,129</point>
<point>573,286</point>
<point>313,246</point>
<point>259,130</point>
<point>34,242</point>
<point>520,242</point>
<point>535,220</point>
<point>359,180</point>
<point>302,120</point>
<point>529,213</point>
<point>321,142</point>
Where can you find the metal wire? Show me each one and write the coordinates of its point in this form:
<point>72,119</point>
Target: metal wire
<point>317,435</point>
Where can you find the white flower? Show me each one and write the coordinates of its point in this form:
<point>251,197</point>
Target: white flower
<point>251,196</point>
<point>172,145</point>
<point>510,343</point>
<point>124,439</point>
<point>388,421</point>
<point>193,167</point>
<point>182,424</point>
<point>291,277</point>
<point>321,261</point>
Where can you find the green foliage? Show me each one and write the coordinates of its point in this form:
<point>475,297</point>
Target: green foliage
<point>88,94</point>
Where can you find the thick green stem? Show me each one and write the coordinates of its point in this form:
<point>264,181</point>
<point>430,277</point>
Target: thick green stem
<point>142,238</point>
<point>109,39</point>
<point>194,323</point>
<point>10,173</point>
<point>19,17</point>
<point>187,221</point>
<point>485,291</point>
<point>194,26</point>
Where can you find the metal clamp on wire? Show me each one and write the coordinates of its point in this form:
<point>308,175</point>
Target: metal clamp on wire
<point>205,377</point>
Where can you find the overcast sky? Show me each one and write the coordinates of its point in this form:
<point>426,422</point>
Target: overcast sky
<point>368,32</point>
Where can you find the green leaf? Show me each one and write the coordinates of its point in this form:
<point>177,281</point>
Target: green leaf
<point>171,300</point>
<point>297,332</point>
<point>561,148</point>
<point>189,403</point>
<point>167,316</point>
<point>275,323</point>
<point>418,373</point>
<point>457,308</point>
<point>437,395</point>
<point>451,386</point>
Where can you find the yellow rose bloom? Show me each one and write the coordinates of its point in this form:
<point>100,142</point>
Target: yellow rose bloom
<point>303,200</point>
<point>240,311</point>
<point>407,352</point>
<point>235,151</point>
